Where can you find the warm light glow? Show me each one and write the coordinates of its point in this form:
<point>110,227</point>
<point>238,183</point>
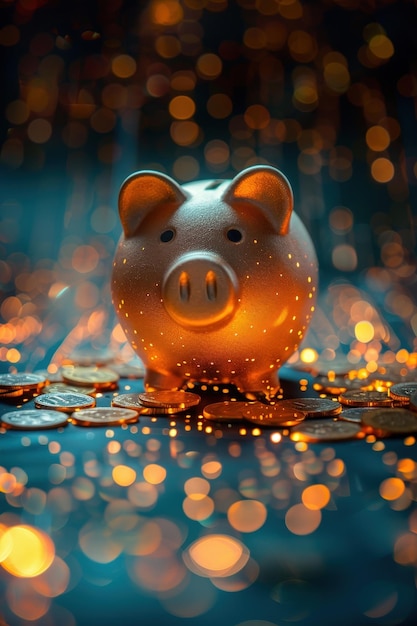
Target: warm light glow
<point>154,474</point>
<point>405,549</point>
<point>408,468</point>
<point>198,506</point>
<point>182,107</point>
<point>211,469</point>
<point>391,488</point>
<point>54,581</point>
<point>123,475</point>
<point>7,482</point>
<point>123,66</point>
<point>29,551</point>
<point>364,331</point>
<point>315,497</point>
<point>378,138</point>
<point>196,485</point>
<point>336,467</point>
<point>98,544</point>
<point>302,521</point>
<point>382,170</point>
<point>309,355</point>
<point>217,555</point>
<point>247,516</point>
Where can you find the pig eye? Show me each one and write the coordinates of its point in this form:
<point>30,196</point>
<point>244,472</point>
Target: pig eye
<point>234,235</point>
<point>167,235</point>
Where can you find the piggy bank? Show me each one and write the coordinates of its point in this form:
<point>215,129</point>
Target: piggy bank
<point>213,281</point>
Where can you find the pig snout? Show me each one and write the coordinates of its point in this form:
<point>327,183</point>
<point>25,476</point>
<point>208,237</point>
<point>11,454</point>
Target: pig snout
<point>200,290</point>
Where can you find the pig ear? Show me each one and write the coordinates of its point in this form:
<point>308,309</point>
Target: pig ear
<point>141,193</point>
<point>267,188</point>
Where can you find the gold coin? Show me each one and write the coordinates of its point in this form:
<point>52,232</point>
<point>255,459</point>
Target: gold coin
<point>13,393</point>
<point>131,401</point>
<point>354,414</point>
<point>64,388</point>
<point>313,407</point>
<point>325,430</point>
<point>272,416</point>
<point>402,392</point>
<point>104,416</point>
<point>99,377</point>
<point>8,382</point>
<point>392,421</point>
<point>33,419</point>
<point>365,398</point>
<point>224,411</point>
<point>66,402</point>
<point>170,399</point>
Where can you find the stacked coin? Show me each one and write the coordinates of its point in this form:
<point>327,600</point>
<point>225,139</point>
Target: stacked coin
<point>403,392</point>
<point>33,419</point>
<point>65,402</point>
<point>157,402</point>
<point>104,416</point>
<point>101,378</point>
<point>60,387</point>
<point>20,385</point>
<point>365,398</point>
<point>389,410</point>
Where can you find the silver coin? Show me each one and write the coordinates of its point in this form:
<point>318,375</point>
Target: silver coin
<point>131,401</point>
<point>66,402</point>
<point>21,379</point>
<point>225,411</point>
<point>402,392</point>
<point>33,419</point>
<point>104,416</point>
<point>392,421</point>
<point>65,388</point>
<point>365,398</point>
<point>99,377</point>
<point>325,430</point>
<point>413,402</point>
<point>355,414</point>
<point>313,407</point>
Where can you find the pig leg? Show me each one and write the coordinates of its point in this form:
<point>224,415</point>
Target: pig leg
<point>155,380</point>
<point>263,387</point>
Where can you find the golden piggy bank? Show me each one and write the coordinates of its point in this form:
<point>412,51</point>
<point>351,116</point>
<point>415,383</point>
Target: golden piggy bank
<point>213,281</point>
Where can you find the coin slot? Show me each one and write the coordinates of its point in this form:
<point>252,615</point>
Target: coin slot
<point>211,285</point>
<point>185,289</point>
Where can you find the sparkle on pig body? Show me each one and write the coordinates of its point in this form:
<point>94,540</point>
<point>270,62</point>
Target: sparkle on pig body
<point>214,281</point>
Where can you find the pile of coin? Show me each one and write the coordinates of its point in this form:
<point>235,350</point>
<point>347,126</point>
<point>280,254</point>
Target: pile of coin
<point>350,410</point>
<point>157,402</point>
<point>354,414</point>
<point>21,385</point>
